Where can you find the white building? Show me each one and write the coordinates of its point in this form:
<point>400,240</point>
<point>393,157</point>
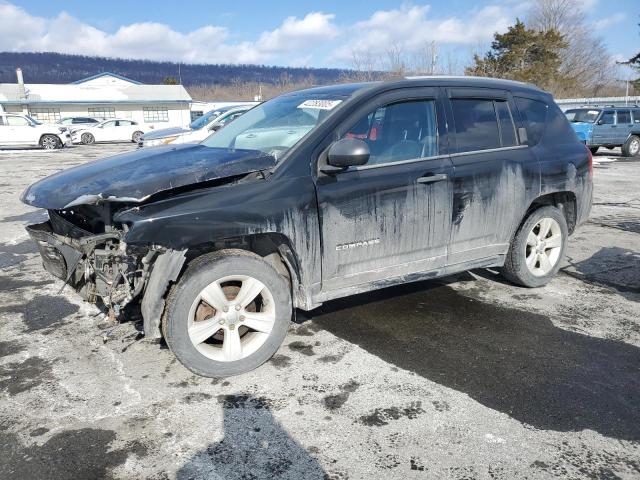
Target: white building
<point>105,95</point>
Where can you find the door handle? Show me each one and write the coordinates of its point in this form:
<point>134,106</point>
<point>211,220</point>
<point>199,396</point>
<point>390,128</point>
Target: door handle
<point>438,177</point>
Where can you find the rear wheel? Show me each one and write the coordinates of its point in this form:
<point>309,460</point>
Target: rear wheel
<point>536,251</point>
<point>228,314</point>
<point>135,138</point>
<point>631,147</point>
<point>50,142</point>
<point>87,138</point>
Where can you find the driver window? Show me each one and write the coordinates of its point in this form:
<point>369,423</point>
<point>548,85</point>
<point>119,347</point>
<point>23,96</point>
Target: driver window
<point>110,124</point>
<point>399,131</point>
<point>608,117</point>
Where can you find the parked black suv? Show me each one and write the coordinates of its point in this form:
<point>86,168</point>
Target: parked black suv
<point>315,195</point>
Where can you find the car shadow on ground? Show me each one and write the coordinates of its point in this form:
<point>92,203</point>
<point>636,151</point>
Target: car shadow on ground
<point>254,446</point>
<point>513,361</point>
<point>613,267</point>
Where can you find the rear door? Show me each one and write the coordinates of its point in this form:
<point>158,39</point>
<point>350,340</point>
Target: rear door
<point>105,132</point>
<point>624,125</point>
<point>21,131</point>
<point>392,216</point>
<point>5,134</point>
<point>495,175</point>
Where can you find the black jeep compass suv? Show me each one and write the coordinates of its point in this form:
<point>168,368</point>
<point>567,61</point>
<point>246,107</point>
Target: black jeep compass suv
<point>315,195</point>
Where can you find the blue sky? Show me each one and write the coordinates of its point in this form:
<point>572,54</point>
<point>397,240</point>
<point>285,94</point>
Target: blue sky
<point>298,33</point>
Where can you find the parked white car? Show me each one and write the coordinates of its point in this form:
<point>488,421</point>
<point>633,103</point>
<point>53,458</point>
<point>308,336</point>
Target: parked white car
<point>22,130</point>
<point>112,130</point>
<point>198,130</point>
<point>74,123</point>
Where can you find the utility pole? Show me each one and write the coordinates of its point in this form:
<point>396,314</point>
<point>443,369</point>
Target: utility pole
<point>434,57</point>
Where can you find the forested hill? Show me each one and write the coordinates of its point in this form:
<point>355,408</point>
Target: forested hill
<point>60,68</point>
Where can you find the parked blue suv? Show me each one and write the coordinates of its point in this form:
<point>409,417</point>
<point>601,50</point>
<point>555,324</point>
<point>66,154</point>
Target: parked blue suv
<point>608,127</point>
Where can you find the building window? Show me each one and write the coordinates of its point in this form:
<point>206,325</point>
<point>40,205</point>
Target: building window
<point>196,114</point>
<point>46,115</point>
<point>155,114</point>
<point>102,112</point>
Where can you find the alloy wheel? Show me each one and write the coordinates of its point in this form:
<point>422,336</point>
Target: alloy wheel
<point>231,318</point>
<point>543,247</point>
<point>49,143</point>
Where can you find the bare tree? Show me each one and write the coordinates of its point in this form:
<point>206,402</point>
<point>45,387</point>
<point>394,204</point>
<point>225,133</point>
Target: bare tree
<point>585,61</point>
<point>364,63</point>
<point>425,60</point>
<point>396,60</point>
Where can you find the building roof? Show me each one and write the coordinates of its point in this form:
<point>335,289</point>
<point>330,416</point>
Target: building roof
<point>41,93</point>
<point>106,74</point>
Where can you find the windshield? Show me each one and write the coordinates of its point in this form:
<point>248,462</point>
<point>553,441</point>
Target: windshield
<point>200,122</point>
<point>33,120</point>
<point>275,126</point>
<point>582,115</point>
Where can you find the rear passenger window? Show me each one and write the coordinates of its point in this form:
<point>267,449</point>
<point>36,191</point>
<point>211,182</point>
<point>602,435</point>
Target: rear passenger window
<point>399,131</point>
<point>534,115</point>
<point>476,124</point>
<point>624,116</point>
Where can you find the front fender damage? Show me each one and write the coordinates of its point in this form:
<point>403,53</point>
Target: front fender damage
<point>166,270</point>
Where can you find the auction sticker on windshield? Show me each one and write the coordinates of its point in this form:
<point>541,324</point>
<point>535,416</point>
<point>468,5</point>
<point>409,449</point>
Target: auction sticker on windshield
<point>319,104</point>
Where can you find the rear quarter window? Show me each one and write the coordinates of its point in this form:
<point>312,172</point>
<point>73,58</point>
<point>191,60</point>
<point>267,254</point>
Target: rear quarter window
<point>558,127</point>
<point>534,116</point>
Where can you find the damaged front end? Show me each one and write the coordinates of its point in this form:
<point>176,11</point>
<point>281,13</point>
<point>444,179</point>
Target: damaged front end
<point>81,246</point>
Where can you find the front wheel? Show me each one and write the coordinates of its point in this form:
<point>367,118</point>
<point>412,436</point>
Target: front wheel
<point>594,150</point>
<point>537,249</point>
<point>228,314</point>
<point>631,147</point>
<point>50,142</point>
<point>135,138</point>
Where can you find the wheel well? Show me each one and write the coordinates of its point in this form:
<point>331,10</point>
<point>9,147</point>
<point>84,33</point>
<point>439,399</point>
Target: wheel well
<point>274,248</point>
<point>565,201</point>
<point>47,135</point>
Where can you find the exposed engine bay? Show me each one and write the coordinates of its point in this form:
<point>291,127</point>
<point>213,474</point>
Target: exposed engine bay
<point>82,247</point>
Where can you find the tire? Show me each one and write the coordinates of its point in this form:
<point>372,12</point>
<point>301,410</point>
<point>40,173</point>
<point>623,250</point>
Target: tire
<point>135,138</point>
<point>217,354</point>
<point>50,142</point>
<point>631,147</point>
<point>87,138</point>
<point>525,265</point>
<point>594,150</point>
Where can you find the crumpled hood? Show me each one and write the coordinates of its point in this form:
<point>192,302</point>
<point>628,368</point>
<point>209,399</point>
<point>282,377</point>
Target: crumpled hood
<point>583,130</point>
<point>165,132</point>
<point>135,176</point>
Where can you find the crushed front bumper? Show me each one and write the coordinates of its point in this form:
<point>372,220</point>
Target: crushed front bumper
<point>59,255</point>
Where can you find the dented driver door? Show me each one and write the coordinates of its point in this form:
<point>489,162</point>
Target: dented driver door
<point>392,216</point>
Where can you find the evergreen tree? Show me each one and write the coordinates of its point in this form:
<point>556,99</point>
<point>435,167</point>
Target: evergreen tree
<point>522,54</point>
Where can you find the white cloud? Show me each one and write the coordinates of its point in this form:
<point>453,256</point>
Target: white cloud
<point>606,22</point>
<point>410,28</point>
<point>64,33</point>
<point>295,34</point>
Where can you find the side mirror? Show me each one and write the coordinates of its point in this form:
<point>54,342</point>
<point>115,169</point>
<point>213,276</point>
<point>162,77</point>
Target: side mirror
<point>215,127</point>
<point>348,152</point>
<point>600,122</point>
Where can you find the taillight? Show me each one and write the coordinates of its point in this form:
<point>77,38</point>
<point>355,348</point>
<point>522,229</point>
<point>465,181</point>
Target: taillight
<point>590,161</point>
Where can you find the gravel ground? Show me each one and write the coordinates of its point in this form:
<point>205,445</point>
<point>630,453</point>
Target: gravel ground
<point>467,377</point>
